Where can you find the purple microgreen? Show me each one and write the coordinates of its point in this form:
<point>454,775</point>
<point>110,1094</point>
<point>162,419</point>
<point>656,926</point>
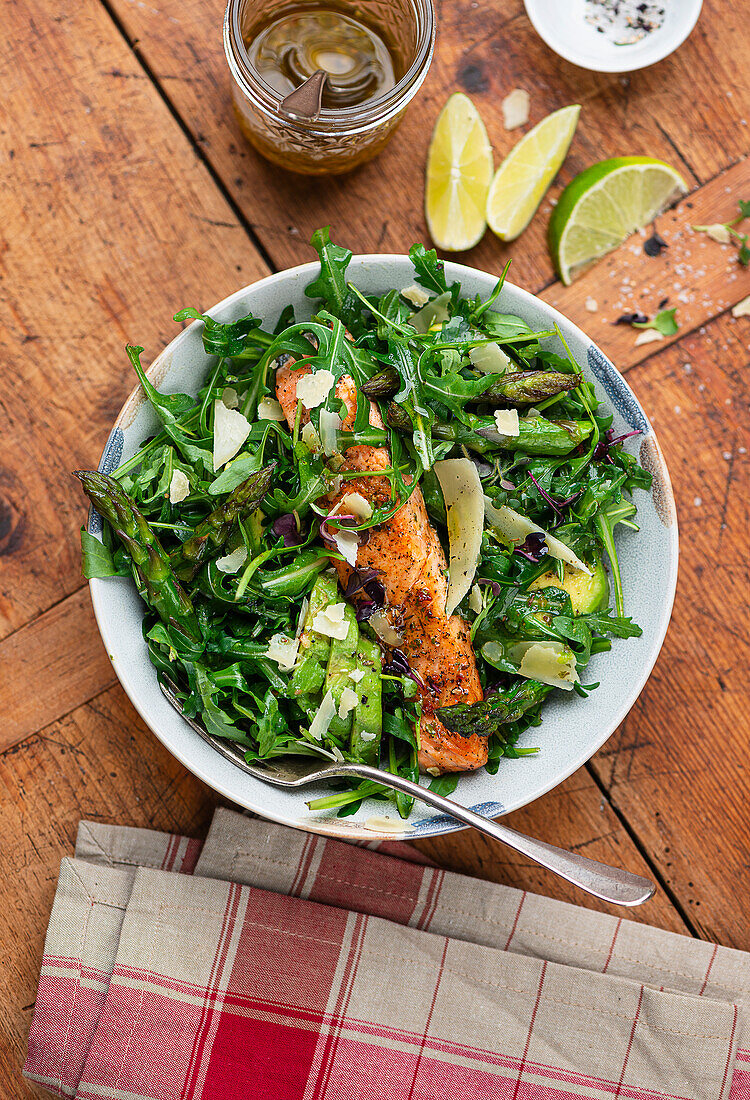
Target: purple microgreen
<point>398,665</point>
<point>496,589</point>
<point>534,548</point>
<point>603,447</point>
<point>556,503</point>
<point>287,527</point>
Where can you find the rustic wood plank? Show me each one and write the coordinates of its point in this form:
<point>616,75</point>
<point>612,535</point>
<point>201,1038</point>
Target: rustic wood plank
<point>110,224</point>
<point>672,110</point>
<point>677,768</point>
<point>51,667</point>
<point>576,817</point>
<point>696,274</point>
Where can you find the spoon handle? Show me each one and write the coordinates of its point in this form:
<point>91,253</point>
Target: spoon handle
<point>608,883</point>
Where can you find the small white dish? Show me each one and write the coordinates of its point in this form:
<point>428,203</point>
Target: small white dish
<point>572,729</point>
<point>563,26</point>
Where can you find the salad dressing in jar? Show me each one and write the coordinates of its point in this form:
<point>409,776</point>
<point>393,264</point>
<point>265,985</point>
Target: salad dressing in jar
<point>374,53</point>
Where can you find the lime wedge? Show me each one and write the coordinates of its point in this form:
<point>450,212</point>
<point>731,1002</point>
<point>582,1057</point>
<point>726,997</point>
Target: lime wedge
<point>459,170</point>
<point>522,179</point>
<point>603,205</point>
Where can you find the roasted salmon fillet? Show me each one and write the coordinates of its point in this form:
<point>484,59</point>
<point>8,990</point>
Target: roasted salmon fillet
<point>407,553</point>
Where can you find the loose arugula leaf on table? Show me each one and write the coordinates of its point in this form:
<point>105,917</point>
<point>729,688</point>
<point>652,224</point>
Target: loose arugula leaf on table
<point>664,322</point>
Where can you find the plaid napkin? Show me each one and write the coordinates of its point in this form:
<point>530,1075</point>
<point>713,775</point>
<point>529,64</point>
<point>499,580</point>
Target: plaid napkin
<point>277,964</point>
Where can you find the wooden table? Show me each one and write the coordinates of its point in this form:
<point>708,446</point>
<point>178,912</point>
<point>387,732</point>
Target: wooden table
<point>127,192</point>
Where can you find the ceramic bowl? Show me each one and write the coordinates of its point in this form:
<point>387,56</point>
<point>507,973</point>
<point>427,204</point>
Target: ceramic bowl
<point>562,25</point>
<point>573,728</point>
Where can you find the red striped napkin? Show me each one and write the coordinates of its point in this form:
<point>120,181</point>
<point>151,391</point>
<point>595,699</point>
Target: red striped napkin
<point>288,967</point>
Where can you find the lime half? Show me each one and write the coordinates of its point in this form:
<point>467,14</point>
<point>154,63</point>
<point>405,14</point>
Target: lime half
<point>522,179</point>
<point>459,170</point>
<point>603,205</point>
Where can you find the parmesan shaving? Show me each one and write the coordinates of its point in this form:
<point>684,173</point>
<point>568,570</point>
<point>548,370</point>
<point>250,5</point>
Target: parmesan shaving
<point>549,662</point>
<point>330,422</point>
<point>230,563</point>
<point>231,429</point>
<point>270,409</point>
<point>330,622</point>
<point>310,438</point>
<point>354,504</point>
<point>742,309</point>
<point>383,824</point>
<point>366,735</point>
<point>312,389</point>
<point>230,397</point>
<point>283,651</point>
<point>516,528</point>
<point>179,487</point>
<point>718,232</point>
<point>435,312</point>
<point>349,700</point>
<point>507,421</point>
<point>648,336</point>
<point>379,623</point>
<point>489,358</point>
<point>464,502</point>
<point>357,675</point>
<point>347,544</point>
<point>515,109</point>
<point>475,599</point>
<point>415,296</point>
<point>323,718</point>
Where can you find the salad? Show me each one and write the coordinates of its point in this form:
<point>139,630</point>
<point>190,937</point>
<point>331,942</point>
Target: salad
<point>375,535</point>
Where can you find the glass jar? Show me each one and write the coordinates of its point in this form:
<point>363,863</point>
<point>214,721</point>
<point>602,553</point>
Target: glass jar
<point>337,140</point>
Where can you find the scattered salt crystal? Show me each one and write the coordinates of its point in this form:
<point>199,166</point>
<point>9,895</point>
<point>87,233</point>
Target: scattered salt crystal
<point>687,367</point>
<point>591,305</point>
<point>726,455</point>
<point>697,501</point>
<point>677,410</point>
<point>515,109</point>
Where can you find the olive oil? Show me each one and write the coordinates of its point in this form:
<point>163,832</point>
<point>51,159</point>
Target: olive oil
<point>288,48</point>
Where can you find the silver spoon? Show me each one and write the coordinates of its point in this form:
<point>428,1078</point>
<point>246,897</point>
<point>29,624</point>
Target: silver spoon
<point>306,101</point>
<point>608,883</point>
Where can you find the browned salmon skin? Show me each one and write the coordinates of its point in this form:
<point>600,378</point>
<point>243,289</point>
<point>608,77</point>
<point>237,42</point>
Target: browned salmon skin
<point>407,552</point>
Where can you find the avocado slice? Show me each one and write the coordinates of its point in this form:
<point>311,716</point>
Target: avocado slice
<point>587,593</point>
<point>368,714</point>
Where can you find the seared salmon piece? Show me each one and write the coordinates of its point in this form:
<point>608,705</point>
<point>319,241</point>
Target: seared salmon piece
<point>407,553</point>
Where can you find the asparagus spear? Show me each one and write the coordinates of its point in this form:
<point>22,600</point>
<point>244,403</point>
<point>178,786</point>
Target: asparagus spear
<point>310,673</point>
<point>368,714</point>
<point>526,387</point>
<point>342,661</point>
<point>383,384</point>
<point>488,715</point>
<point>214,531</point>
<point>164,592</point>
<point>536,436</point>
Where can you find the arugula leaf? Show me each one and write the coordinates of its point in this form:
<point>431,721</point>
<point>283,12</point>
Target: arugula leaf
<point>744,253</point>
<point>744,209</point>
<point>443,785</point>
<point>429,271</point>
<point>330,286</point>
<point>226,340</point>
<point>96,560</point>
<point>664,322</point>
<point>169,407</point>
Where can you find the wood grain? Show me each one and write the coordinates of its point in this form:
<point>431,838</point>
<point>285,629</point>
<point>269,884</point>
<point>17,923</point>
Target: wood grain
<point>678,767</point>
<point>51,667</point>
<point>92,255</point>
<point>673,110</point>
